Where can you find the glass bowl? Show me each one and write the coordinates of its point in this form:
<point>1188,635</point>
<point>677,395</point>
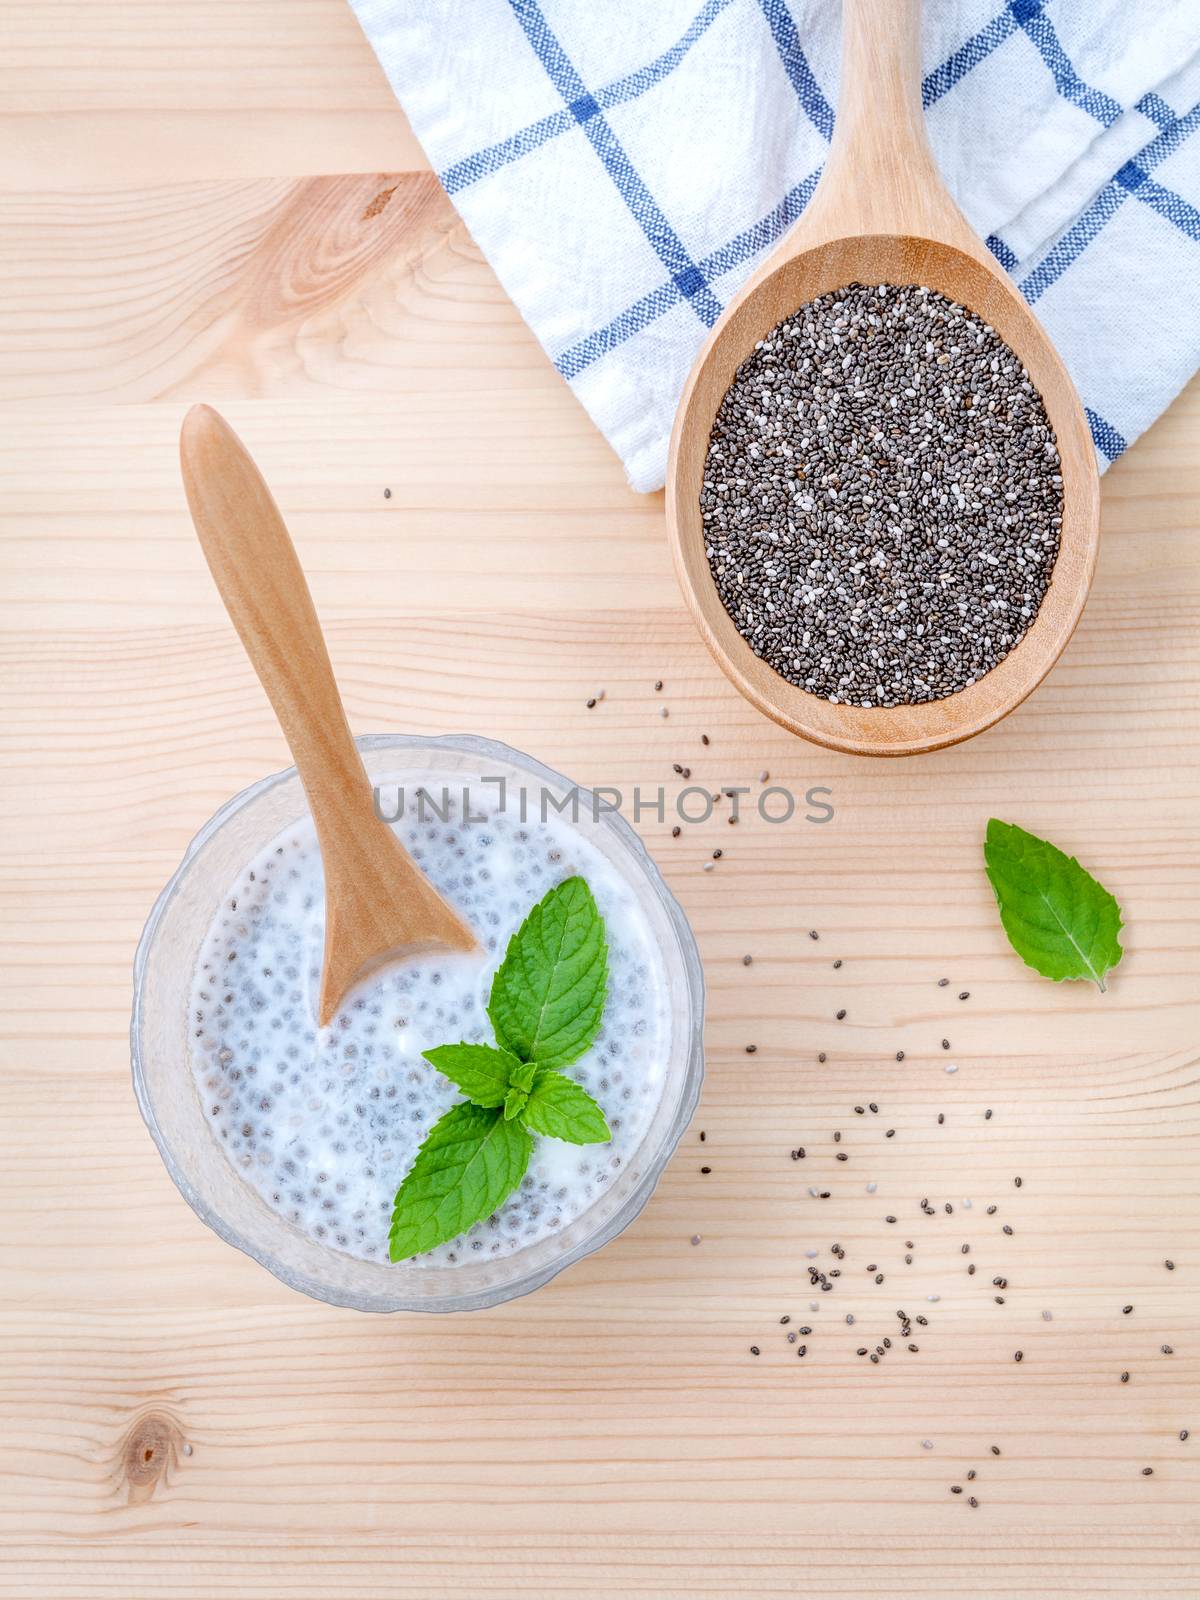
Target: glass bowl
<point>170,1103</point>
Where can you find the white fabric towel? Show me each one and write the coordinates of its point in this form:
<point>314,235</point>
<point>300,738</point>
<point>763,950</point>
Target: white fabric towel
<point>624,166</point>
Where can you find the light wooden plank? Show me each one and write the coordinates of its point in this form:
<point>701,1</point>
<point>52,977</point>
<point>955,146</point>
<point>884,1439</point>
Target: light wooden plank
<point>137,92</point>
<point>343,285</point>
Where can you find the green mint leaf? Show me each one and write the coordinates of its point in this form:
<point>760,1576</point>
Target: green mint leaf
<point>482,1072</point>
<point>470,1162</point>
<point>514,1103</point>
<point>548,996</point>
<point>522,1075</point>
<point>1058,919</point>
<point>558,1107</point>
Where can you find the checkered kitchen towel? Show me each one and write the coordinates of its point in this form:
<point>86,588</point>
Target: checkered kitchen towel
<point>623,164</point>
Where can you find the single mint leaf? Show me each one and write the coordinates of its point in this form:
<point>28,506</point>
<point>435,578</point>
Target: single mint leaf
<point>558,1107</point>
<point>514,1103</point>
<point>548,995</point>
<point>470,1162</point>
<point>1058,919</point>
<point>522,1075</point>
<point>482,1072</point>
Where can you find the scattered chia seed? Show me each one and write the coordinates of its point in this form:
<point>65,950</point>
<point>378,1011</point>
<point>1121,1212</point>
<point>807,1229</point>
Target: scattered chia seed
<point>1125,1310</point>
<point>754,1350</point>
<point>965,995</point>
<point>943,983</point>
<point>882,497</point>
<point>899,1055</point>
<point>1170,1266</point>
<point>695,1238</point>
<point>836,965</point>
<point>813,934</point>
<point>706,1170</point>
<point>1167,1349</point>
<point>1147,1472</point>
<point>1124,1377</point>
<point>1183,1435</point>
<point>747,961</point>
<point>821,1057</point>
<point>676,831</point>
<point>995,1449</point>
<point>751,1049</point>
<point>658,685</point>
<point>591,702</point>
<point>1018,1355</point>
<point>972,1501</point>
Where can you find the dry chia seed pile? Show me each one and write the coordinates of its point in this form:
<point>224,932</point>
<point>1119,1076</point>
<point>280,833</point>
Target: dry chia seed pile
<point>882,497</point>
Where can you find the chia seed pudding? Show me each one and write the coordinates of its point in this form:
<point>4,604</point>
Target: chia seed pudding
<point>324,1123</point>
<point>882,497</point>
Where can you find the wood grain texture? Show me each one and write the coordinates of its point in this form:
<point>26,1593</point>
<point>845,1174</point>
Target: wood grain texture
<point>135,91</point>
<point>632,1446</point>
<point>881,214</point>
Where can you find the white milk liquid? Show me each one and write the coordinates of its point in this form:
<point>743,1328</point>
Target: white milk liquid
<point>325,1123</point>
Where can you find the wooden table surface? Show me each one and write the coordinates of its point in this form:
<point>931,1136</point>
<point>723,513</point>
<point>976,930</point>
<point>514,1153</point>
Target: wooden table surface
<point>219,199</point>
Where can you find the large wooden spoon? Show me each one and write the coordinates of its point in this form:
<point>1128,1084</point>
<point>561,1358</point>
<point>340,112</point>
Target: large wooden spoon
<point>881,214</point>
<point>378,903</point>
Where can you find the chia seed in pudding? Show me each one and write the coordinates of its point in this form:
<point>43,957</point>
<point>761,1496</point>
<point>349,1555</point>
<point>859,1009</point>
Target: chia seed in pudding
<point>882,497</point>
<point>325,1123</point>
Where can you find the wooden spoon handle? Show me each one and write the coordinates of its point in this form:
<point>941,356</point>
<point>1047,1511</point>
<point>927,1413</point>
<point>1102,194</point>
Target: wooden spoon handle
<point>881,176</point>
<point>254,563</point>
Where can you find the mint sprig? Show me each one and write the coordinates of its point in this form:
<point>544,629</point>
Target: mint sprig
<point>545,1006</point>
<point>1058,918</point>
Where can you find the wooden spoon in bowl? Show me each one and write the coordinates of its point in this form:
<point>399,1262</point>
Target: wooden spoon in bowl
<point>881,214</point>
<point>378,903</point>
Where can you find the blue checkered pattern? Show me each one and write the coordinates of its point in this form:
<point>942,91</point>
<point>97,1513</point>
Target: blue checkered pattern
<point>625,166</point>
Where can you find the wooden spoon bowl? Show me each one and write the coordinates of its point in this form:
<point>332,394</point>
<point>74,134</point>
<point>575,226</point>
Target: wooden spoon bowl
<point>881,214</point>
